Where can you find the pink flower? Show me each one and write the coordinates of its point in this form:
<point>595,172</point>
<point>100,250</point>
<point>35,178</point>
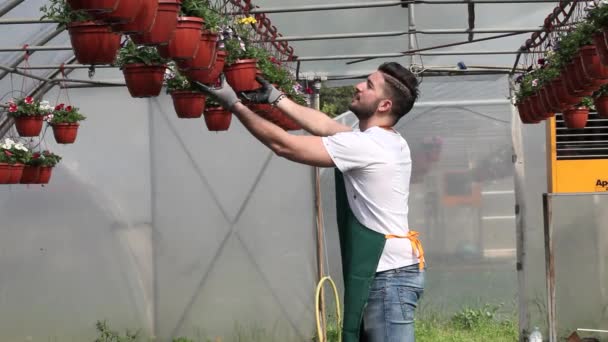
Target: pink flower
<point>12,108</point>
<point>29,100</point>
<point>8,153</point>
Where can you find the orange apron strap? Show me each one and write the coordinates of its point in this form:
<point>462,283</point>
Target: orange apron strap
<point>416,244</point>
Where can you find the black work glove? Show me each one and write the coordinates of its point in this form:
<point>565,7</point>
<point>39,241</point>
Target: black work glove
<point>266,94</point>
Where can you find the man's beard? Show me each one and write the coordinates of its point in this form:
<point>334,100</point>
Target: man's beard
<point>363,112</point>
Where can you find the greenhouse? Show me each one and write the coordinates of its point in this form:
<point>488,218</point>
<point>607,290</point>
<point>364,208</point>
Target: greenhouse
<point>132,205</point>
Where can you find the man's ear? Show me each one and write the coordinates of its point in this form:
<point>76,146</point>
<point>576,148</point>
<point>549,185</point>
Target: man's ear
<point>385,106</point>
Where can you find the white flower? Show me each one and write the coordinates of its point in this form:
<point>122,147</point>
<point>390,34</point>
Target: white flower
<point>535,82</point>
<point>9,143</point>
<point>19,146</point>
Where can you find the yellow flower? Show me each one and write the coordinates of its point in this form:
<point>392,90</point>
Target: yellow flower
<point>247,20</point>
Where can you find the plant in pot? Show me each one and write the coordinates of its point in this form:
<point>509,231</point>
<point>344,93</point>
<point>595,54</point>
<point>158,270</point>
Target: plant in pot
<point>28,114</point>
<point>65,122</point>
<point>187,35</point>
<point>576,117</point>
<point>241,55</point>
<point>164,25</point>
<point>188,101</point>
<point>13,157</point>
<point>143,69</point>
<point>600,101</point>
<point>598,17</point>
<point>93,42</point>
<point>216,117</point>
<point>46,161</point>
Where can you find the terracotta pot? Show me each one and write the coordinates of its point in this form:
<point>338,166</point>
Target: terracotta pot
<point>45,174</point>
<point>93,42</point>
<point>164,25</point>
<point>576,117</point>
<point>241,75</point>
<point>125,12</point>
<point>528,109</point>
<point>217,119</point>
<point>188,104</point>
<point>16,172</point>
<point>205,56</point>
<point>65,133</point>
<point>556,104</point>
<point>537,111</point>
<point>593,67</point>
<point>94,5</point>
<point>523,113</point>
<point>163,51</point>
<point>144,80</point>
<point>186,38</point>
<point>29,126</point>
<point>30,174</point>
<point>5,173</point>
<point>601,105</point>
<point>566,100</point>
<point>209,76</point>
<point>574,84</point>
<point>546,104</point>
<point>143,21</point>
<point>601,46</point>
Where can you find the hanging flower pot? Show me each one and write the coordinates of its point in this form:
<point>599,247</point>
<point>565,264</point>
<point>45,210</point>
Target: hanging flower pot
<point>188,104</point>
<point>217,118</point>
<point>93,42</point>
<point>536,109</point>
<point>94,5</point>
<point>241,75</point>
<point>30,174</point>
<point>29,126</point>
<point>593,67</point>
<point>208,76</point>
<point>144,80</point>
<point>65,133</point>
<point>576,117</point>
<point>206,54</point>
<point>125,12</point>
<point>601,105</point>
<point>5,173</point>
<point>546,104</point>
<point>143,21</point>
<point>164,26</point>
<point>599,39</point>
<point>45,174</point>
<point>523,111</point>
<point>561,92</point>
<point>186,38</point>
<point>16,172</point>
<point>574,84</point>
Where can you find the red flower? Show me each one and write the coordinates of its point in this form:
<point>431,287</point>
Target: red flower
<point>8,153</point>
<point>59,106</point>
<point>12,108</point>
<point>308,90</point>
<point>36,155</point>
<point>29,100</point>
<point>68,108</point>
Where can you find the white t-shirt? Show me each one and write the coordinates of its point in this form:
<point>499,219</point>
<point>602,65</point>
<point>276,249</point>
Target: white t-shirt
<point>376,165</point>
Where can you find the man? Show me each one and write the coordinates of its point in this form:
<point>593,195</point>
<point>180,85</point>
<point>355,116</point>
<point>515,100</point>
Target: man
<point>383,262</point>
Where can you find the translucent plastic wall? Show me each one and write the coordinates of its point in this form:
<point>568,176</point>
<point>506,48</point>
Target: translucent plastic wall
<point>157,224</point>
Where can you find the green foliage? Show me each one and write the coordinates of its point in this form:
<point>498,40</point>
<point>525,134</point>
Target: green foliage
<point>176,81</point>
<point>66,114</point>
<point>27,106</point>
<point>211,102</point>
<point>14,152</point>
<point>598,17</point>
<point>60,11</point>
<point>46,159</point>
<point>213,20</point>
<point>603,91</point>
<point>182,339</point>
<point>107,335</point>
<point>132,54</point>
<point>587,101</point>
<point>335,101</point>
<point>470,319</point>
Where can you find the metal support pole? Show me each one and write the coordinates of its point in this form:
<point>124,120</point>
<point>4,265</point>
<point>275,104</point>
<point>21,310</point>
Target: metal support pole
<point>316,86</point>
<point>18,21</point>
<point>9,6</point>
<point>404,54</point>
<point>37,48</point>
<point>411,25</point>
<point>550,266</point>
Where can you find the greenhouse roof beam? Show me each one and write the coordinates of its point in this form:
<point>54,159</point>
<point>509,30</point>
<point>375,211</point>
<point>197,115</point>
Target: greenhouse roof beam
<point>9,6</point>
<point>42,41</point>
<point>402,54</point>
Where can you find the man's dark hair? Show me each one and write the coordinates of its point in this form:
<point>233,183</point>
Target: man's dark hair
<point>402,87</point>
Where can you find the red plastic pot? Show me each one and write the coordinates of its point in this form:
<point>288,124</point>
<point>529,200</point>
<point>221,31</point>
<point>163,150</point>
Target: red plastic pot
<point>144,80</point>
<point>188,104</point>
<point>65,133</point>
<point>5,173</point>
<point>16,172</point>
<point>93,42</point>
<point>241,75</point>
<point>561,92</point>
<point>205,56</point>
<point>576,117</point>
<point>125,12</point>
<point>29,126</point>
<point>217,119</point>
<point>209,76</point>
<point>30,174</point>
<point>164,26</point>
<point>601,105</point>
<point>599,39</point>
<point>45,175</point>
<point>143,21</point>
<point>186,38</point>
<point>94,5</point>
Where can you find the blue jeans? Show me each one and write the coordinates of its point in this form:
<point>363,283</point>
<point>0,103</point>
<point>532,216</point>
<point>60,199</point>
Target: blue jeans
<point>389,315</point>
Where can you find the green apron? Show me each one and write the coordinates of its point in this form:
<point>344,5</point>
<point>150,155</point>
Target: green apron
<point>361,249</point>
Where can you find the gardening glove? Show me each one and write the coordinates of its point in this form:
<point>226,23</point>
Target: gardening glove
<point>266,94</point>
<point>224,94</point>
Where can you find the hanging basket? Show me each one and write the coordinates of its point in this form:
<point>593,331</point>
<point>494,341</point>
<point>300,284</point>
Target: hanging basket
<point>143,21</point>
<point>205,57</point>
<point>144,80</point>
<point>5,173</point>
<point>217,119</point>
<point>30,174</point>
<point>576,117</point>
<point>29,126</point>
<point>93,42</point>
<point>599,39</point>
<point>561,92</point>
<point>164,25</point>
<point>208,76</point>
<point>601,105</point>
<point>188,104</point>
<point>125,12</point>
<point>65,133</point>
<point>16,172</point>
<point>45,175</point>
<point>95,5</point>
<point>241,75</point>
<point>186,38</point>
